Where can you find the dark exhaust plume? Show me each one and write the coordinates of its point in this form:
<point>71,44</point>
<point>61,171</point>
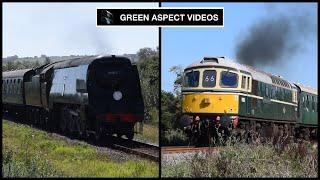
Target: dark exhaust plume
<point>274,39</point>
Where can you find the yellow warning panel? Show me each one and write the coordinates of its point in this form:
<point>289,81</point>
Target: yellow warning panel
<point>210,103</point>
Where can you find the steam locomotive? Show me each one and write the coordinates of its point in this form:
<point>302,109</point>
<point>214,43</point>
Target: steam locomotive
<point>223,98</point>
<point>97,94</point>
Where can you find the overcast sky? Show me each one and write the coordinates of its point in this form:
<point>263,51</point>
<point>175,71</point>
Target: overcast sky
<point>32,29</point>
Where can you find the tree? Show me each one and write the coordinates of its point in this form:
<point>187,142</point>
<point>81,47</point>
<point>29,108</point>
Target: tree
<point>178,82</point>
<point>148,67</point>
<point>47,60</point>
<point>10,66</point>
<point>36,64</point>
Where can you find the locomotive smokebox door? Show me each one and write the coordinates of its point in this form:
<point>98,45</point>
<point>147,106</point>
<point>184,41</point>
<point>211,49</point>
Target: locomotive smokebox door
<point>81,86</point>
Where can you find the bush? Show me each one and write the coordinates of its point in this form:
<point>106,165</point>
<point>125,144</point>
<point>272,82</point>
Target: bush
<point>249,160</point>
<point>174,137</point>
<point>26,166</point>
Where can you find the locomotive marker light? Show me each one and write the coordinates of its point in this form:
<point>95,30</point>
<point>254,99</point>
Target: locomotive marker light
<point>117,95</point>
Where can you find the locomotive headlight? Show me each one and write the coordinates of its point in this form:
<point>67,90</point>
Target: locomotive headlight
<point>117,95</point>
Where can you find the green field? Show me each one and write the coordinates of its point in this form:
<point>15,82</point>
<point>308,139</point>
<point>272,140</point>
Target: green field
<point>28,152</point>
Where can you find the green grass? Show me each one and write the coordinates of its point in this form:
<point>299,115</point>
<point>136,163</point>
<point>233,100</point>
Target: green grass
<point>30,152</point>
<point>243,160</point>
<point>150,134</point>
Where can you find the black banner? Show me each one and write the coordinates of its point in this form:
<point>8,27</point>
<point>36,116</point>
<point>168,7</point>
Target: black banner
<point>160,17</point>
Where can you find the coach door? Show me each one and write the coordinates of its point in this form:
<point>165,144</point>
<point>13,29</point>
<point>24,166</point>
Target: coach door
<point>246,87</point>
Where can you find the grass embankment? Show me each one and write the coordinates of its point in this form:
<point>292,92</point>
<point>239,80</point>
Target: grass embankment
<point>150,134</point>
<point>29,152</point>
<point>243,160</point>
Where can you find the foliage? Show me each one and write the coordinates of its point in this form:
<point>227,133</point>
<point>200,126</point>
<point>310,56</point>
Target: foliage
<point>178,71</point>
<point>16,65</point>
<point>148,67</point>
<point>174,138</point>
<point>52,156</point>
<point>248,160</point>
<point>27,166</point>
<point>150,134</point>
<point>171,110</point>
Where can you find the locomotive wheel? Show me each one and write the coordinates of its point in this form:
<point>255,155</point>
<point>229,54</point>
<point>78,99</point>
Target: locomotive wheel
<point>130,135</point>
<point>99,133</point>
<point>119,135</point>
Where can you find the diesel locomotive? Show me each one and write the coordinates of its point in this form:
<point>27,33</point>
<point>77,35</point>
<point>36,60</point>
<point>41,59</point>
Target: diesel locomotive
<point>96,94</point>
<point>221,97</point>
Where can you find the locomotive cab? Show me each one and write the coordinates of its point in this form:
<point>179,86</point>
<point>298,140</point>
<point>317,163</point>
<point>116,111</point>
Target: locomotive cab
<point>211,95</point>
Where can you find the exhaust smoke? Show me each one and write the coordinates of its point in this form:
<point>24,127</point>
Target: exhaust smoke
<point>272,40</point>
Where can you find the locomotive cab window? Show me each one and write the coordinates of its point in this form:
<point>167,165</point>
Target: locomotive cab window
<point>191,79</point>
<point>209,78</point>
<point>229,79</point>
<point>243,83</point>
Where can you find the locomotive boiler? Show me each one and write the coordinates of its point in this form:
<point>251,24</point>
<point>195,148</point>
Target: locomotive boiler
<point>96,94</point>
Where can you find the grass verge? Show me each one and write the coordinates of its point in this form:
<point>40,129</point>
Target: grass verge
<point>28,152</point>
<point>150,134</point>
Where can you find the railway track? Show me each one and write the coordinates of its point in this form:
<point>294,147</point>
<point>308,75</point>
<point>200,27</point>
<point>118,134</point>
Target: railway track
<point>148,151</point>
<point>186,149</point>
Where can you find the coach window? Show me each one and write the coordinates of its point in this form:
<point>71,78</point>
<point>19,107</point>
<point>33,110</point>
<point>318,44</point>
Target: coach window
<point>312,103</point>
<point>209,78</point>
<point>229,79</point>
<point>191,79</point>
<point>10,87</point>
<point>267,91</point>
<point>243,83</point>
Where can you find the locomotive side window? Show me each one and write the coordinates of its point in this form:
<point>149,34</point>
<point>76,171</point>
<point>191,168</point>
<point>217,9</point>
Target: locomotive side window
<point>243,83</point>
<point>229,79</point>
<point>191,79</point>
<point>248,87</point>
<point>209,78</point>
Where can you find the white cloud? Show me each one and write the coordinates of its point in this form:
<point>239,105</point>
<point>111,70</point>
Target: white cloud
<point>31,29</point>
